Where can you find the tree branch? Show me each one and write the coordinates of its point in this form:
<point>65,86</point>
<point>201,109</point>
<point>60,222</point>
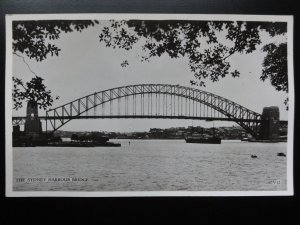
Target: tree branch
<point>25,63</point>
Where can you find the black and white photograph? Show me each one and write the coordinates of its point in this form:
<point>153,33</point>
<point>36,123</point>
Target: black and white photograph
<point>149,105</point>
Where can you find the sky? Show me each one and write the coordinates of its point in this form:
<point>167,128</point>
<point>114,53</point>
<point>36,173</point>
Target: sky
<point>85,66</point>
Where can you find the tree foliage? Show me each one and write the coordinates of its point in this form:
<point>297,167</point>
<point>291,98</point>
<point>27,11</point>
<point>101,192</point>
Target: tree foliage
<point>200,42</point>
<point>33,38</point>
<point>275,66</point>
<point>32,91</point>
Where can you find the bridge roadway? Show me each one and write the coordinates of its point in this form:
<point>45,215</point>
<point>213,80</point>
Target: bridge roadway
<point>19,118</point>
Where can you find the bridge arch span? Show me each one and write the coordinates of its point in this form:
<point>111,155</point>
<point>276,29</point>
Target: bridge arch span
<point>79,108</point>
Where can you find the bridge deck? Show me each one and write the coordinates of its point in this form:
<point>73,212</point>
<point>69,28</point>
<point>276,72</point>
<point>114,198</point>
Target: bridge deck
<point>137,117</point>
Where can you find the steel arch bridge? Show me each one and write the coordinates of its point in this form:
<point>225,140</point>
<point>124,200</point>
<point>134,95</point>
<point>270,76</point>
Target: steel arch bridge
<point>154,101</point>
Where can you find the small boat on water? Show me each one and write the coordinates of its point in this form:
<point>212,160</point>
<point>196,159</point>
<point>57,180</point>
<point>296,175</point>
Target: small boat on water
<point>202,139</point>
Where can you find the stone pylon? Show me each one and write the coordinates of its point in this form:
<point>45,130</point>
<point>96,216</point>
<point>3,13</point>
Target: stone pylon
<point>270,123</point>
<point>33,125</point>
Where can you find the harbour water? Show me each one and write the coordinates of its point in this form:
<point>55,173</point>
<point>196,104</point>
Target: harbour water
<point>152,165</point>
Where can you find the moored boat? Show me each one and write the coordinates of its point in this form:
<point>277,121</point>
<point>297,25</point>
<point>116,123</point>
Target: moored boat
<point>203,139</point>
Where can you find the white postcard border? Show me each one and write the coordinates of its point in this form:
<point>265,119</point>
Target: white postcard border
<point>221,17</point>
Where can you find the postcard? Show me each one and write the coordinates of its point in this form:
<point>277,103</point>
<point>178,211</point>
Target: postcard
<point>149,105</point>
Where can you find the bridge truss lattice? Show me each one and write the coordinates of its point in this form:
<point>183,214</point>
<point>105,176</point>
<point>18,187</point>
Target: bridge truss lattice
<point>154,101</point>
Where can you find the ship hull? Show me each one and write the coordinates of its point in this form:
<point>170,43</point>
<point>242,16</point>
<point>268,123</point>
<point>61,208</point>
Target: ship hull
<point>204,140</point>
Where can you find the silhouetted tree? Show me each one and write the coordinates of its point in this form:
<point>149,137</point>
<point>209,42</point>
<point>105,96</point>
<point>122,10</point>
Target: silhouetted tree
<point>33,91</point>
<point>33,38</point>
<point>200,42</point>
<point>275,66</point>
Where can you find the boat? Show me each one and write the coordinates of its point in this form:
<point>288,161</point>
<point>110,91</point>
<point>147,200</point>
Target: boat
<point>202,139</point>
<point>248,139</point>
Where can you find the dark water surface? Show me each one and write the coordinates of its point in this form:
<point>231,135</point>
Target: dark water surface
<point>152,165</point>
